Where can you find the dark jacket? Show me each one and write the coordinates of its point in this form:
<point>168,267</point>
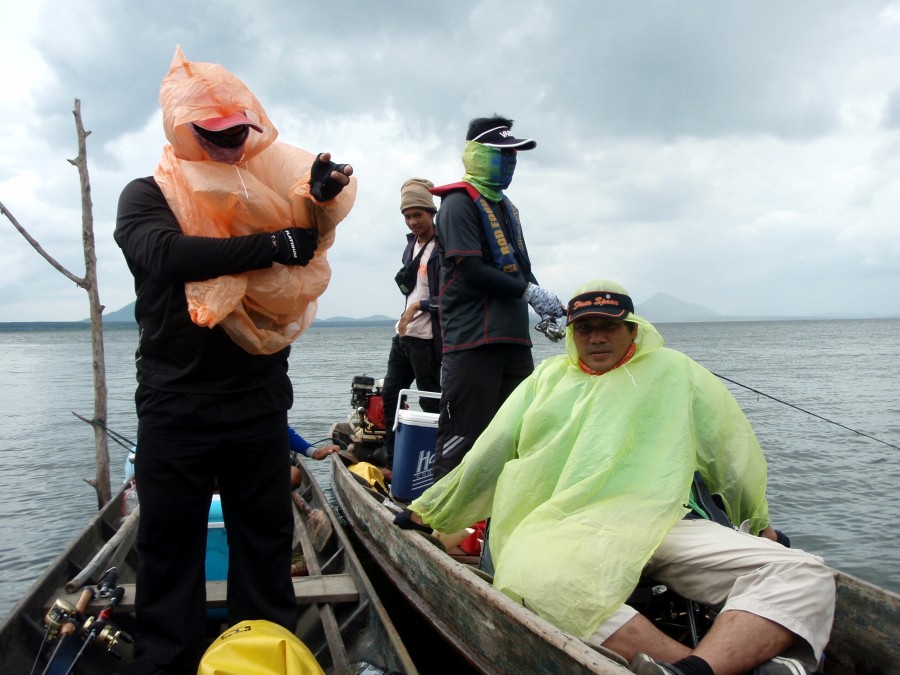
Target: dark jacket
<point>434,288</point>
<point>480,304</point>
<point>176,357</point>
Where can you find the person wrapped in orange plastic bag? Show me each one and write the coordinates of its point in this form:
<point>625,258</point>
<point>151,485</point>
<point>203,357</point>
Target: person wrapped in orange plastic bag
<point>267,190</point>
<point>227,244</point>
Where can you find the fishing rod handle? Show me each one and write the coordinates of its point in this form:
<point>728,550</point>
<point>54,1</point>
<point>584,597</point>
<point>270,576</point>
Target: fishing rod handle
<point>86,596</point>
<point>107,583</point>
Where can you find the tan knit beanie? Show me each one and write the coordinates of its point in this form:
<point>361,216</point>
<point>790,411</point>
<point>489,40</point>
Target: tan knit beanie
<point>414,193</point>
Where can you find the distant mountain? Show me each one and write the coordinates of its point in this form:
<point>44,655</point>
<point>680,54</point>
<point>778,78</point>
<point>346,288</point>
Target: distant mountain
<point>375,318</point>
<point>663,308</point>
<point>124,315</point>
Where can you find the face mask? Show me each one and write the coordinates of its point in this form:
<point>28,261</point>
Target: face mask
<point>227,138</point>
<point>488,169</point>
<point>507,168</point>
<point>216,151</point>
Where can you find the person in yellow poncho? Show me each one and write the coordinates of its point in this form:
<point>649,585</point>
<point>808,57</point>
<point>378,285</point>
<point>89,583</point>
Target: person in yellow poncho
<point>227,243</point>
<point>586,473</point>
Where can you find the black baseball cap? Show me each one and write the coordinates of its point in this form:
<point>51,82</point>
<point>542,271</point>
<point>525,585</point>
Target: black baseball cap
<point>600,303</point>
<point>501,137</point>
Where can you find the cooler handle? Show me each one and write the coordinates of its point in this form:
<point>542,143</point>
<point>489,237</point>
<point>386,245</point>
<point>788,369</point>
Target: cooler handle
<point>406,392</point>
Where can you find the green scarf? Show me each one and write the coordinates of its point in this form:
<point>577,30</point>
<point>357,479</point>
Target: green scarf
<point>482,165</point>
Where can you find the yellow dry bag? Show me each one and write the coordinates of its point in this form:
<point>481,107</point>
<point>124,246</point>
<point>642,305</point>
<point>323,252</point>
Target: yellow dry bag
<point>258,648</point>
<point>370,476</point>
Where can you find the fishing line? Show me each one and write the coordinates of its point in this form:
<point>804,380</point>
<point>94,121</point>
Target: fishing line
<point>791,405</point>
<point>325,440</point>
<point>114,435</point>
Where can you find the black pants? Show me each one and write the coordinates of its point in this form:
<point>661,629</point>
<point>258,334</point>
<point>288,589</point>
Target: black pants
<point>410,359</point>
<point>475,383</point>
<point>175,468</point>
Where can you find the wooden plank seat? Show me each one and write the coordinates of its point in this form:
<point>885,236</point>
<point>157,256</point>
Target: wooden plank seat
<point>307,590</point>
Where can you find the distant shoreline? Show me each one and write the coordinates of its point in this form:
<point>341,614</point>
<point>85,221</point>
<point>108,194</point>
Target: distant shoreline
<point>38,326</point>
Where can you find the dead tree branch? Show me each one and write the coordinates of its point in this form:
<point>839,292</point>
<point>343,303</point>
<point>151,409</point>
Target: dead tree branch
<point>79,281</point>
<point>89,283</point>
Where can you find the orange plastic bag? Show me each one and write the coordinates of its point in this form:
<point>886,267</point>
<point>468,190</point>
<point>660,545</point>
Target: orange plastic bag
<point>265,310</point>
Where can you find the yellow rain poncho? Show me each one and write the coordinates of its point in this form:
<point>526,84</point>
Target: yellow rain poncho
<point>268,190</point>
<point>583,475</point>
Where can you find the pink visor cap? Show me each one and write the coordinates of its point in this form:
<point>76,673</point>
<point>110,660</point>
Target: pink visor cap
<point>227,122</point>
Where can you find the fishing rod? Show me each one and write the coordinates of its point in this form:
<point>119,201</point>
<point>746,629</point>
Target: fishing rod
<point>47,631</point>
<point>70,616</point>
<point>791,405</point>
<point>325,440</point>
<point>97,626</point>
<point>114,435</point>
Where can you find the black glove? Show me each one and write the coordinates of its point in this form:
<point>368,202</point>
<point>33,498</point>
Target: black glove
<point>294,245</point>
<point>322,186</point>
<point>404,521</point>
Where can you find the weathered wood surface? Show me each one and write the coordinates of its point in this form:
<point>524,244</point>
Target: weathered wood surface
<point>866,634</point>
<point>330,553</point>
<point>307,590</point>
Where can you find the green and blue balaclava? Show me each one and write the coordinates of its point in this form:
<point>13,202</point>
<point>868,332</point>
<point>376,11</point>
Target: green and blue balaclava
<point>490,159</point>
<point>489,170</point>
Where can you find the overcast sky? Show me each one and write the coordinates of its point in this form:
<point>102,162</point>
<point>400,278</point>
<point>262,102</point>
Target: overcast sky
<point>743,156</point>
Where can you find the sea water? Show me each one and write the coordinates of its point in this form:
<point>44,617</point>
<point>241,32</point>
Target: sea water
<point>832,490</point>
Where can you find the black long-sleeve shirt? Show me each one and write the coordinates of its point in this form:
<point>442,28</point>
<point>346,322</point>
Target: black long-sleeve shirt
<point>174,354</point>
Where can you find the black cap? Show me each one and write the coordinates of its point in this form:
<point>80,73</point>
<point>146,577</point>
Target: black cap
<point>501,137</point>
<point>600,303</point>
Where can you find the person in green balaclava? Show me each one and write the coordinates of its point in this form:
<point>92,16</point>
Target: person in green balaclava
<point>486,288</point>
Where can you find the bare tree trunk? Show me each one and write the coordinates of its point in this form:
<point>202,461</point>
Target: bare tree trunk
<point>89,283</point>
<point>101,444</point>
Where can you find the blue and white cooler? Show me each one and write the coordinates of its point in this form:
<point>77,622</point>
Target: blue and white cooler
<point>415,433</point>
<point>216,551</point>
<point>216,543</point>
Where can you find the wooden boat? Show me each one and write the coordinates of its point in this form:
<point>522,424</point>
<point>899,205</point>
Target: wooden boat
<point>496,635</point>
<point>342,620</point>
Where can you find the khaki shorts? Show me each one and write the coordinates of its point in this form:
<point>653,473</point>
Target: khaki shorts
<point>727,570</point>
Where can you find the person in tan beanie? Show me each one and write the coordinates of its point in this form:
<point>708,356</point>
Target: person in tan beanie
<point>416,348</point>
<point>415,193</point>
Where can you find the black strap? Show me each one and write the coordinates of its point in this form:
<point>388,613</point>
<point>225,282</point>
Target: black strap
<point>415,261</point>
<point>709,504</point>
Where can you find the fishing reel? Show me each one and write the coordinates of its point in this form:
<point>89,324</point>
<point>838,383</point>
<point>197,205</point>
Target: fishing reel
<point>61,613</point>
<point>552,328</point>
<point>115,640</point>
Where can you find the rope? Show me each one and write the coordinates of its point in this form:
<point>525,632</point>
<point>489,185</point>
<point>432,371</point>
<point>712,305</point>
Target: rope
<point>791,405</point>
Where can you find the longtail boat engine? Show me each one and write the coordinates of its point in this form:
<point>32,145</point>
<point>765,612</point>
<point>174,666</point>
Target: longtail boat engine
<point>364,431</point>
